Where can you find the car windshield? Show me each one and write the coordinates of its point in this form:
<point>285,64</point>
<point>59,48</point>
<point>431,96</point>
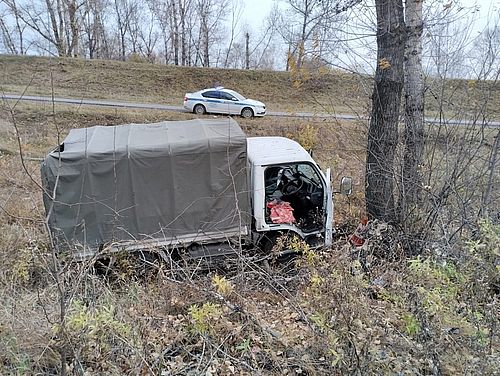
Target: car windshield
<point>235,94</point>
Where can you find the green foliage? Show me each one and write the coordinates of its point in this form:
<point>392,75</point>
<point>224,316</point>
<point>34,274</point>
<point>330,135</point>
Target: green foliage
<point>96,324</point>
<point>487,246</point>
<point>334,353</point>
<point>222,285</point>
<point>299,245</point>
<point>21,268</point>
<point>482,263</point>
<point>244,346</point>
<point>125,268</point>
<point>27,263</point>
<point>442,288</point>
<point>412,326</point>
<point>316,280</point>
<point>10,355</point>
<point>204,317</point>
<point>92,332</point>
<point>441,274</point>
<point>320,320</point>
<point>292,242</point>
<point>438,287</point>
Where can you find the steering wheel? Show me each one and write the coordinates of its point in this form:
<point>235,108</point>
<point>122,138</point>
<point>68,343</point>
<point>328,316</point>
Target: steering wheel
<point>292,186</point>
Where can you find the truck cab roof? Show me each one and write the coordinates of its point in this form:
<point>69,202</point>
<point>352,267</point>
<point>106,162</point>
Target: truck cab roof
<point>264,151</point>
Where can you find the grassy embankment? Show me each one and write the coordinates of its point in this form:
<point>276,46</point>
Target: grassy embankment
<point>339,311</point>
<point>325,91</point>
<point>140,82</point>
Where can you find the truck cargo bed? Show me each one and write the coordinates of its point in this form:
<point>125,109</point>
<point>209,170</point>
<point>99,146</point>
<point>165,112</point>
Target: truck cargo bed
<point>152,183</point>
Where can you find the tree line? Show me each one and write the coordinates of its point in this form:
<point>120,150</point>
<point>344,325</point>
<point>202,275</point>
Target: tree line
<point>171,31</point>
<point>295,34</point>
<point>207,33</point>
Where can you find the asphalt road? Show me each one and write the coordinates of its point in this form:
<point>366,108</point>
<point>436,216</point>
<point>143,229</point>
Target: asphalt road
<point>153,106</point>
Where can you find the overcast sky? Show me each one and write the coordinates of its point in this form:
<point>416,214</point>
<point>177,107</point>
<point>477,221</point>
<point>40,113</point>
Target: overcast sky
<point>256,10</point>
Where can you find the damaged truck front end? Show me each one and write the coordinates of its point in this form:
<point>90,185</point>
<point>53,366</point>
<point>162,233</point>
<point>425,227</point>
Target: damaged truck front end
<point>290,192</point>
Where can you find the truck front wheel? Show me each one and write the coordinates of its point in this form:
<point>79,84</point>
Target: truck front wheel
<point>268,241</point>
<point>281,261</point>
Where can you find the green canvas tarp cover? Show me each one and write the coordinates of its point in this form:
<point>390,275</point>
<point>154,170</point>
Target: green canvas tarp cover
<point>168,180</point>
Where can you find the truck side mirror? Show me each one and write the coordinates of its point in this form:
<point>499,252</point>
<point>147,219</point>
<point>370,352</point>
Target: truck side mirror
<point>346,185</point>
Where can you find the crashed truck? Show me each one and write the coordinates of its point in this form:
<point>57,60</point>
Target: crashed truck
<point>197,185</point>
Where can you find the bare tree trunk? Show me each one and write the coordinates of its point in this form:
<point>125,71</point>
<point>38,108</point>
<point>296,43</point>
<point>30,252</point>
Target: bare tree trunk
<point>235,16</point>
<point>7,38</point>
<point>247,51</point>
<point>123,23</point>
<point>183,13</point>
<point>56,28</point>
<point>74,27</point>
<point>61,28</point>
<point>289,56</point>
<point>93,29</point>
<point>161,10</point>
<point>56,21</point>
<point>302,41</point>
<point>134,21</point>
<point>414,112</point>
<point>175,36</point>
<point>19,28</point>
<point>206,44</point>
<point>386,100</point>
<point>120,28</point>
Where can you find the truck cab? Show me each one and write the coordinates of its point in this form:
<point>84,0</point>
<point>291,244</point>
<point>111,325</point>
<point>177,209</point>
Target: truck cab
<point>290,193</point>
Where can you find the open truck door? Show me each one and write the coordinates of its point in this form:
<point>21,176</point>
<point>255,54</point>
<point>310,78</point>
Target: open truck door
<point>329,209</point>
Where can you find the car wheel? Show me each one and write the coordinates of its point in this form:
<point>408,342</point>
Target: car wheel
<point>199,109</point>
<point>247,113</point>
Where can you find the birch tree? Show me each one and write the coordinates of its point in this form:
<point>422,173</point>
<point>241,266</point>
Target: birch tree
<point>211,14</point>
<point>148,36</point>
<point>413,112</point>
<point>55,21</point>
<point>94,32</point>
<point>124,11</point>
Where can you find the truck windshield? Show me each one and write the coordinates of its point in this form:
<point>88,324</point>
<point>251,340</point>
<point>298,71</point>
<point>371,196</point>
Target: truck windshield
<point>309,172</point>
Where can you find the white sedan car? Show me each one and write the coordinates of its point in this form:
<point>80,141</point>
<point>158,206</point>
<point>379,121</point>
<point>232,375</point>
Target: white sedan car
<point>223,101</point>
